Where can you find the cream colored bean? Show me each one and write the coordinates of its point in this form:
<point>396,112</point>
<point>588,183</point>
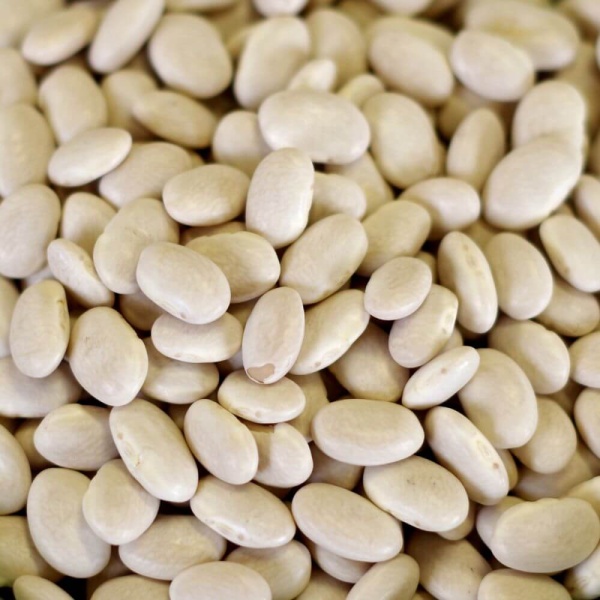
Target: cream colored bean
<point>17,84</point>
<point>388,432</point>
<point>324,257</point>
<point>360,88</point>
<point>187,53</point>
<point>522,277</point>
<point>587,418</point>
<point>584,364</point>
<point>207,343</point>
<point>328,337</point>
<point>329,128</point>
<point>84,217</point>
<point>530,182</point>
<point>273,335</point>
<point>582,580</point>
<point>315,394</point>
<point>448,569</point>
<point>144,173</point>
<point>25,435</point>
<point>206,195</point>
<point>177,382</point>
<point>271,209</point>
<point>134,586</point>
<point>441,378</point>
<point>72,266</point>
<point>170,545</point>
<point>411,65</point>
<point>586,199</point>
<point>418,492</point>
<point>18,554</point>
<point>324,587</point>
<point>589,491</point>
<point>335,194</point>
<point>335,472</point>
<point>15,474</point>
<point>274,8</point>
<point>264,404</point>
<point>395,578</point>
<point>185,284</point>
<point>31,587</point>
<point>506,584</point>
<point>72,102</point>
<point>343,569</point>
<point>346,524</point>
<point>548,38</point>
<point>460,532</point>
<point>554,442</point>
<point>571,521</point>
<point>319,75</point>
<point>8,299</point>
<point>194,233</point>
<point>22,127</point>
<point>116,507</point>
<point>488,516</point>
<point>416,339</point>
<point>398,288</point>
<point>286,569</point>
<point>114,366</point>
<point>41,310</point>
<point>221,581</point>
<point>26,397</point>
<point>124,29</point>
<point>404,143</point>
<point>367,369</point>
<point>257,76</point>
<point>223,446</point>
<point>89,155</point>
<point>460,447</point>
<point>395,229</point>
<point>573,251</point>
<point>139,311</point>
<point>76,437</point>
<point>224,508</point>
<point>58,527</point>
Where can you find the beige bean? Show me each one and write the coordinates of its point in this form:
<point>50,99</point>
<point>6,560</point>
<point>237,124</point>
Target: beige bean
<point>324,257</point>
<point>367,370</point>
<point>581,580</point>
<point>26,397</point>
<point>185,284</point>
<point>329,128</point>
<point>139,311</point>
<point>530,182</point>
<point>221,581</point>
<point>15,474</point>
<point>448,569</point>
<point>398,288</point>
<point>224,508</point>
<point>116,507</point>
<point>31,587</point>
<point>187,53</point>
<point>460,532</point>
<point>549,38</point>
<point>521,275</point>
<point>76,436</point>
<point>222,444</point>
<point>257,76</point>
<point>586,199</point>
<point>16,19</point>
<point>418,492</point>
<point>72,102</point>
<point>134,586</point>
<point>411,65</point>
<point>343,569</point>
<point>360,88</point>
<point>114,366</point>
<point>315,394</point>
<point>193,233</point>
<point>335,194</point>
<point>460,447</point>
<point>587,418</point>
<point>505,584</point>
<point>124,29</point>
<point>328,337</point>
<point>589,491</point>
<point>395,229</point>
<point>570,520</point>
<point>487,517</point>
<point>573,251</point>
<point>273,335</point>
<point>416,339</point>
<point>58,527</point>
<point>584,365</point>
<point>41,310</point>
<point>404,143</point>
<point>168,471</point>
<point>346,524</point>
<point>286,569</point>
<point>324,587</point>
<point>208,343</point>
<point>170,545</point>
<point>25,435</point>
<point>441,378</point>
<point>274,8</point>
<point>394,578</point>
<point>144,173</point>
<point>389,432</point>
<point>319,75</point>
<point>84,217</point>
<point>8,299</point>
<point>335,472</point>
<point>264,404</point>
<point>17,83</point>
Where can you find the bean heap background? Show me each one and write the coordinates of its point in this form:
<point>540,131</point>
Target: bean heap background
<point>300,300</point>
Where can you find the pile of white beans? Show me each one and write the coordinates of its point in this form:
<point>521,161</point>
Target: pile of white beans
<point>299,299</point>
